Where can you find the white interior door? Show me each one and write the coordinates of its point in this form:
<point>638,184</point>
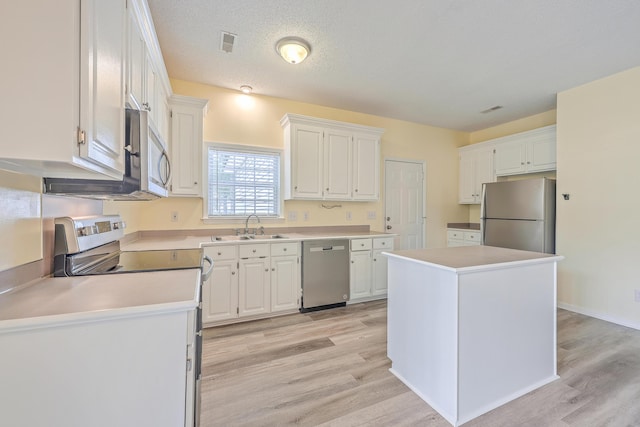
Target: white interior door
<point>404,202</point>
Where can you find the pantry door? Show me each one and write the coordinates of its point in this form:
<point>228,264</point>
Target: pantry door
<point>404,202</point>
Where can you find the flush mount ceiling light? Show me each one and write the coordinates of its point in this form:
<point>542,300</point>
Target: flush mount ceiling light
<point>246,89</point>
<point>293,49</point>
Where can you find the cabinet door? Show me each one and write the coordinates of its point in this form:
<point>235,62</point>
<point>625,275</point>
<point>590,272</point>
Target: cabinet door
<point>150,102</point>
<point>541,154</point>
<point>220,292</point>
<point>360,275</point>
<point>466,183</point>
<point>484,171</point>
<point>366,167</point>
<point>186,148</point>
<point>102,47</point>
<point>136,55</point>
<point>379,273</point>
<point>510,158</point>
<point>285,283</point>
<point>254,290</point>
<point>337,165</point>
<point>307,147</point>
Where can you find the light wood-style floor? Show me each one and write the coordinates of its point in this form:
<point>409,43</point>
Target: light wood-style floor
<point>330,368</point>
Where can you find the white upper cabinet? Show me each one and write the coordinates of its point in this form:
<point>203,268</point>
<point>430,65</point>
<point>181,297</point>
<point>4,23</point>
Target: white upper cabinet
<point>366,167</point>
<point>526,152</point>
<point>147,85</point>
<point>329,160</point>
<point>187,145</point>
<point>337,165</point>
<point>476,168</point>
<point>63,88</point>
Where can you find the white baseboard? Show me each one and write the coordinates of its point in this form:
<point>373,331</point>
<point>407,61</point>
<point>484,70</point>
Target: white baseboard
<point>599,315</point>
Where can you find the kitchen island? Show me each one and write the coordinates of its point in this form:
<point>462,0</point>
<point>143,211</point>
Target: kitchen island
<point>471,328</point>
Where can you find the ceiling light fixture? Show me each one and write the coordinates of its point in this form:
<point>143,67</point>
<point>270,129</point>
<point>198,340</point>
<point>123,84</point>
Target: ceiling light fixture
<point>294,50</point>
<point>246,89</point>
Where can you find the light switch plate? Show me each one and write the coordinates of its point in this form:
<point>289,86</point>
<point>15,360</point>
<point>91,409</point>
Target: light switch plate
<point>371,215</point>
<point>292,216</point>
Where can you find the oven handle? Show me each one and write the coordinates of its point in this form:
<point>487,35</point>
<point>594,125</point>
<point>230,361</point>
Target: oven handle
<point>205,276</point>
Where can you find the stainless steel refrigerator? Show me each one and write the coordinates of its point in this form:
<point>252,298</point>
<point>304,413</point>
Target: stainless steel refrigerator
<point>519,214</point>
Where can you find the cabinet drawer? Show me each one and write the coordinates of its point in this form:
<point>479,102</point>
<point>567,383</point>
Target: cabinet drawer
<point>361,244</point>
<point>472,236</point>
<point>455,235</point>
<point>219,253</point>
<point>383,243</point>
<point>254,251</point>
<point>279,249</point>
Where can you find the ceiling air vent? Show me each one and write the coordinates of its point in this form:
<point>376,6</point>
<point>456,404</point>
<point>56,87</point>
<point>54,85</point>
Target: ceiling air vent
<point>492,109</point>
<point>226,42</point>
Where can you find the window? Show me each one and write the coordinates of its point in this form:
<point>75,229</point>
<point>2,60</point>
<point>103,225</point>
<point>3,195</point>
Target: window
<point>243,180</point>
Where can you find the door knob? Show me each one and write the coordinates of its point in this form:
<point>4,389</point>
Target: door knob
<point>388,227</point>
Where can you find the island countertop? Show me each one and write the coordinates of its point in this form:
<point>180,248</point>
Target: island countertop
<point>471,258</point>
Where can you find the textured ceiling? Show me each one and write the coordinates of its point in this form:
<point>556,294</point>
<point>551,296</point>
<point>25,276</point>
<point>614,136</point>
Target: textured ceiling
<point>436,62</point>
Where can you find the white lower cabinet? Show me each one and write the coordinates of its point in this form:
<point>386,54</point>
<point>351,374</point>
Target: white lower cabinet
<point>459,237</point>
<point>368,270</point>
<point>220,292</point>
<point>285,276</point>
<point>80,375</point>
<point>251,281</point>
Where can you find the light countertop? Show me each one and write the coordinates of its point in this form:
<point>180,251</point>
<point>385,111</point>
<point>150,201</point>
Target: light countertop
<point>194,242</point>
<point>472,258</point>
<point>61,300</point>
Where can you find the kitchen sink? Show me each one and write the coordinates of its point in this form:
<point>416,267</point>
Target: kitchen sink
<point>233,237</point>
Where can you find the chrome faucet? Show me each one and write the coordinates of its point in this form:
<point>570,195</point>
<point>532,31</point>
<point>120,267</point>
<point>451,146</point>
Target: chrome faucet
<point>246,223</point>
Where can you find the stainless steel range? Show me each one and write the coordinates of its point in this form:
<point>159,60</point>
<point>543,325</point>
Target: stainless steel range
<point>91,246</point>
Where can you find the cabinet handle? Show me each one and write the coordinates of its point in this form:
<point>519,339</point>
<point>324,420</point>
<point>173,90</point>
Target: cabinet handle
<point>327,188</point>
<point>233,272</point>
<point>388,218</point>
<point>388,227</point>
<point>284,249</point>
<point>295,188</point>
<point>351,262</point>
<point>195,182</point>
<point>273,269</point>
<point>356,190</point>
<point>254,251</point>
<point>362,244</point>
<point>219,253</point>
<point>383,243</point>
<point>522,163</point>
<point>528,163</point>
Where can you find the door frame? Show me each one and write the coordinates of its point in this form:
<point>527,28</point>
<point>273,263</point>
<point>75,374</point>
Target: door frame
<point>423,164</point>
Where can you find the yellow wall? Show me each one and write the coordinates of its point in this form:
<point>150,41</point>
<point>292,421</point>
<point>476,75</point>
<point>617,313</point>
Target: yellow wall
<point>240,119</point>
<point>597,229</point>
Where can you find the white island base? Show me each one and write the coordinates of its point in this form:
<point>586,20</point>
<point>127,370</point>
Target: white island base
<point>471,328</point>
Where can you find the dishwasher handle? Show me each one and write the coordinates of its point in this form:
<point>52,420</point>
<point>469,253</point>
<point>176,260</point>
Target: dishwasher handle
<point>326,248</point>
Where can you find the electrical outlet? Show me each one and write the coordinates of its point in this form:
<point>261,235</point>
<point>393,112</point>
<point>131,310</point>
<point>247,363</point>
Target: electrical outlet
<point>174,216</point>
<point>292,216</point>
<point>637,295</point>
<point>348,215</point>
<point>371,215</point>
<point>305,216</point>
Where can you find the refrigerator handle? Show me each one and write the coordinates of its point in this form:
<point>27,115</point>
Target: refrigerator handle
<point>482,213</point>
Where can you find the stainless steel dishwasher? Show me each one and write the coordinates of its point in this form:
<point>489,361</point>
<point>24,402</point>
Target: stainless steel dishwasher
<point>325,274</point>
